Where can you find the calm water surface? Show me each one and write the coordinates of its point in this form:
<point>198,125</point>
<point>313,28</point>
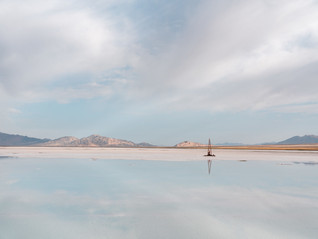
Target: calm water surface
<point>85,198</point>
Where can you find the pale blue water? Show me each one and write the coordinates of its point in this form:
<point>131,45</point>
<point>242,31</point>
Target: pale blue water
<point>82,198</point>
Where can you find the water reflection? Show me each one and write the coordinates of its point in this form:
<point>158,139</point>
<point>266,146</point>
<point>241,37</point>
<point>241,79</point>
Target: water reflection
<point>209,165</point>
<point>6,157</point>
<point>312,163</point>
<point>81,198</point>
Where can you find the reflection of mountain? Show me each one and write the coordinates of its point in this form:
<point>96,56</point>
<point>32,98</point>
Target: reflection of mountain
<point>307,139</point>
<point>19,140</point>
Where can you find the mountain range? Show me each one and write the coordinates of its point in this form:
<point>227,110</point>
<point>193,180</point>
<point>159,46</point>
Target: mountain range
<point>67,141</point>
<point>306,139</point>
<point>296,140</point>
<point>102,141</point>
<point>91,141</point>
<point>19,140</point>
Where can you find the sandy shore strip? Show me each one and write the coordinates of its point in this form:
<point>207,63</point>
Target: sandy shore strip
<point>305,147</point>
<point>164,154</point>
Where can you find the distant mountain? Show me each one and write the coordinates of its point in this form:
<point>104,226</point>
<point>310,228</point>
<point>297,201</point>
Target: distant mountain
<point>64,141</point>
<point>189,144</point>
<point>19,140</point>
<point>97,140</point>
<point>307,139</point>
<point>101,141</point>
<point>229,144</point>
<point>91,141</point>
<point>143,144</point>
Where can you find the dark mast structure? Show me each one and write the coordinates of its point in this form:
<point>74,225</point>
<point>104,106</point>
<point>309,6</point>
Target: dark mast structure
<point>210,150</point>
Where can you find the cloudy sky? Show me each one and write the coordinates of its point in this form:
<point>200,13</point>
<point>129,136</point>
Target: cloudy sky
<point>160,71</point>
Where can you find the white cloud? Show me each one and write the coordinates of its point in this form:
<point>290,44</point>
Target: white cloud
<point>237,56</point>
<point>42,41</point>
<point>15,111</point>
<point>183,212</point>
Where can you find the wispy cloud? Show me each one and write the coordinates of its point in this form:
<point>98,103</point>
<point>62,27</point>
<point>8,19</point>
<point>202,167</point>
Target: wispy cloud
<point>220,211</point>
<point>242,55</point>
<point>15,111</point>
<point>158,57</point>
<point>218,52</point>
<point>44,41</point>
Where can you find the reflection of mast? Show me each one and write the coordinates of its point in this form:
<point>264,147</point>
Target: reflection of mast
<point>209,165</point>
<point>210,150</point>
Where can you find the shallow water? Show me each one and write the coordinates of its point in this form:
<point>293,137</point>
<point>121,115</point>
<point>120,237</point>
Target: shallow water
<point>119,198</point>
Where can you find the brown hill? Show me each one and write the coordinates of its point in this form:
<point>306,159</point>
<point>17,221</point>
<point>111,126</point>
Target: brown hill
<point>91,141</point>
<point>189,144</point>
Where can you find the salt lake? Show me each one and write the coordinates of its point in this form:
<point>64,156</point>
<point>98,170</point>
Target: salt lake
<point>157,193</point>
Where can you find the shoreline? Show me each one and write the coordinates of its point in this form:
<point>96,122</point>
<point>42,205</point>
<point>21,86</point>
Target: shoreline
<point>305,147</point>
<point>238,153</point>
<point>302,147</point>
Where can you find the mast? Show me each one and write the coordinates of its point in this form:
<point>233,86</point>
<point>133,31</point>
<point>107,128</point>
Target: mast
<point>209,148</point>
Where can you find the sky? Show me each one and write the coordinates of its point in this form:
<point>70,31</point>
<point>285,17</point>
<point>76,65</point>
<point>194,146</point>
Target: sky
<point>160,72</point>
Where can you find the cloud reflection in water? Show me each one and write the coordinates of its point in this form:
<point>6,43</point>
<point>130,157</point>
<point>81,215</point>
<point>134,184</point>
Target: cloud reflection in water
<point>154,199</point>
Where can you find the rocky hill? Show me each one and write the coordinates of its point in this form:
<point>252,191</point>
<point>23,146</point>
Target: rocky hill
<point>306,139</point>
<point>63,141</point>
<point>97,140</point>
<point>189,144</point>
<point>91,141</point>
<point>19,140</point>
